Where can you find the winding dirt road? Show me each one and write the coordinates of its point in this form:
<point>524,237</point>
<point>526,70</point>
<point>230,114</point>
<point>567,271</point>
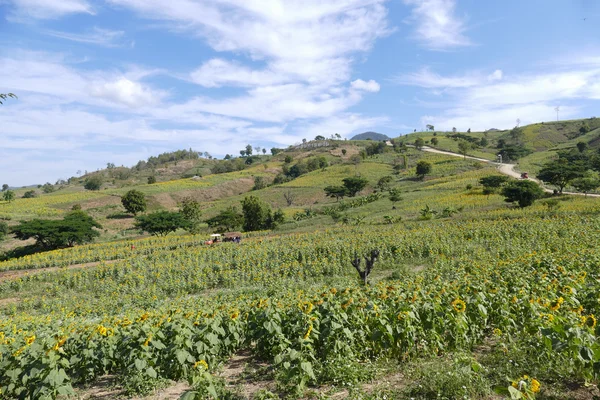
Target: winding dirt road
<point>506,169</point>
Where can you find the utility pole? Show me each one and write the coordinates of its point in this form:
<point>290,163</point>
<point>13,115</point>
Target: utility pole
<point>557,109</point>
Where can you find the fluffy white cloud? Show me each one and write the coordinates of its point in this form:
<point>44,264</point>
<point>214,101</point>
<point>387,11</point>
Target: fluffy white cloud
<point>368,86</point>
<point>48,9</point>
<point>124,91</point>
<point>437,26</point>
<point>478,101</point>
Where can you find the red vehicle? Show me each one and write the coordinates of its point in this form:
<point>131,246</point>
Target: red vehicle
<point>524,175</point>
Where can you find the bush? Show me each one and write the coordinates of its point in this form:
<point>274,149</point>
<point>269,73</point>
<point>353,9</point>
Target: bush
<point>93,183</point>
<point>161,223</point>
<point>227,220</point>
<point>151,180</point>
<point>134,201</point>
<point>3,229</point>
<point>30,194</point>
<point>257,214</point>
<point>192,212</point>
<point>423,168</point>
<point>354,185</point>
<point>524,192</point>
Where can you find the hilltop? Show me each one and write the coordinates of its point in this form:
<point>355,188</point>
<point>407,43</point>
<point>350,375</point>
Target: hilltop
<point>370,136</point>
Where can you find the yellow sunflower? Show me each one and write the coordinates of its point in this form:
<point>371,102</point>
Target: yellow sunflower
<point>459,305</point>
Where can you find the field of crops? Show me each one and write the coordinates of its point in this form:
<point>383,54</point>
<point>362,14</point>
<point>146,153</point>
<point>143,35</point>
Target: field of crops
<point>526,282</point>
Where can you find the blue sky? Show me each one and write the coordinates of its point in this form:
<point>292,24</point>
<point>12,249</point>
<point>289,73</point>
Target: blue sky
<point>119,80</point>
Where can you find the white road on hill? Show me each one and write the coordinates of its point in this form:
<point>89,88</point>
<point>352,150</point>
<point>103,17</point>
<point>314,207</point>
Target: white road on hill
<point>506,169</point>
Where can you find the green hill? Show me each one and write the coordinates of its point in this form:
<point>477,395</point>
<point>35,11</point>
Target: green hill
<point>370,136</point>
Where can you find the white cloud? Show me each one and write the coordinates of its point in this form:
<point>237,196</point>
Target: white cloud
<point>124,91</point>
<point>97,36</point>
<point>480,102</point>
<point>218,72</point>
<point>437,26</point>
<point>368,86</point>
<point>48,9</point>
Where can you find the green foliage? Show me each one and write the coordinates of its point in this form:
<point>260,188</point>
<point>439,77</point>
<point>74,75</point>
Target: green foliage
<point>151,179</point>
<point>560,173</point>
<point>376,148</point>
<point>427,213</point>
<point>493,182</point>
<point>3,229</point>
<point>227,220</point>
<point>395,195</point>
<point>93,182</point>
<point>423,168</point>
<point>339,192</point>
<point>134,201</point>
<point>464,147</point>
<point>434,141</point>
<point>354,184</point>
<point>384,183</point>
<point>524,192</point>
<point>192,211</point>
<point>512,152</point>
<point>4,187</point>
<point>30,194</point>
<point>9,195</point>
<point>75,228</point>
<point>48,188</point>
<point>582,146</point>
<point>259,183</point>
<point>257,214</point>
<point>161,223</point>
<point>419,143</point>
<point>586,184</point>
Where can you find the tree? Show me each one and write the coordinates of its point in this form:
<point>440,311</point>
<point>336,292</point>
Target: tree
<point>48,187</point>
<point>319,137</point>
<point>524,192</point>
<point>384,183</point>
<point>192,212</point>
<point>248,150</point>
<point>493,182</point>
<point>275,151</point>
<point>559,173</point>
<point>585,128</point>
<point>464,147</point>
<point>419,143</point>
<point>257,214</point>
<point>483,142</point>
<point>161,223</point>
<point>395,196</point>
<point>288,159</point>
<point>517,134</point>
<point>151,180</point>
<point>430,127</point>
<point>289,197</point>
<point>5,187</point>
<point>134,201</point>
<point>259,183</point>
<point>5,96</point>
<point>423,168</point>
<point>453,130</point>
<point>75,228</point>
<point>9,196</point>
<point>582,146</point>
<point>354,184</point>
<point>93,182</point>
<point>469,130</point>
<point>227,220</point>
<point>434,141</point>
<point>264,151</point>
<point>30,194</point>
<point>339,192</point>
<point>344,151</point>
<point>586,184</point>
<point>3,229</point>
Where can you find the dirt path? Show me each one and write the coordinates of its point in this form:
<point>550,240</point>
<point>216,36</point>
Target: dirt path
<point>506,169</point>
<point>7,275</point>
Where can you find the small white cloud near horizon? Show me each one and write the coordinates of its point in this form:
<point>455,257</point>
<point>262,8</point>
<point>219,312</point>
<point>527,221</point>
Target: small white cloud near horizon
<point>437,26</point>
<point>97,36</point>
<point>368,86</point>
<point>47,9</point>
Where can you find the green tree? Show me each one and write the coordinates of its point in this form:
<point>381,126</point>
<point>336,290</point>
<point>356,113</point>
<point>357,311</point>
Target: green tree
<point>30,194</point>
<point>151,179</point>
<point>75,228</point>
<point>3,229</point>
<point>248,150</point>
<point>483,142</point>
<point>586,184</point>
<point>9,196</point>
<point>354,184</point>
<point>319,137</point>
<point>434,141</point>
<point>493,182</point>
<point>419,143</point>
<point>582,146</point>
<point>93,182</point>
<point>559,173</point>
<point>395,196</point>
<point>384,183</point>
<point>339,192</point>
<point>5,187</point>
<point>524,192</point>
<point>585,128</point>
<point>5,96</point>
<point>344,151</point>
<point>48,187</point>
<point>259,183</point>
<point>134,201</point>
<point>161,223</point>
<point>464,147</point>
<point>227,220</point>
<point>423,168</point>
<point>257,214</point>
<point>192,211</point>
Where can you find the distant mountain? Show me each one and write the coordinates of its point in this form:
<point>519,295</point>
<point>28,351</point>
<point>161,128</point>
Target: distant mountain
<point>370,136</point>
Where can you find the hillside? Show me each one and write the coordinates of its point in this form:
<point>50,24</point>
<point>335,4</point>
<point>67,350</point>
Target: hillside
<point>464,285</point>
<point>370,136</point>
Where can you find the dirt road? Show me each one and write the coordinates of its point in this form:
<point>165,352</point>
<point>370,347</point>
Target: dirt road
<point>506,169</point>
